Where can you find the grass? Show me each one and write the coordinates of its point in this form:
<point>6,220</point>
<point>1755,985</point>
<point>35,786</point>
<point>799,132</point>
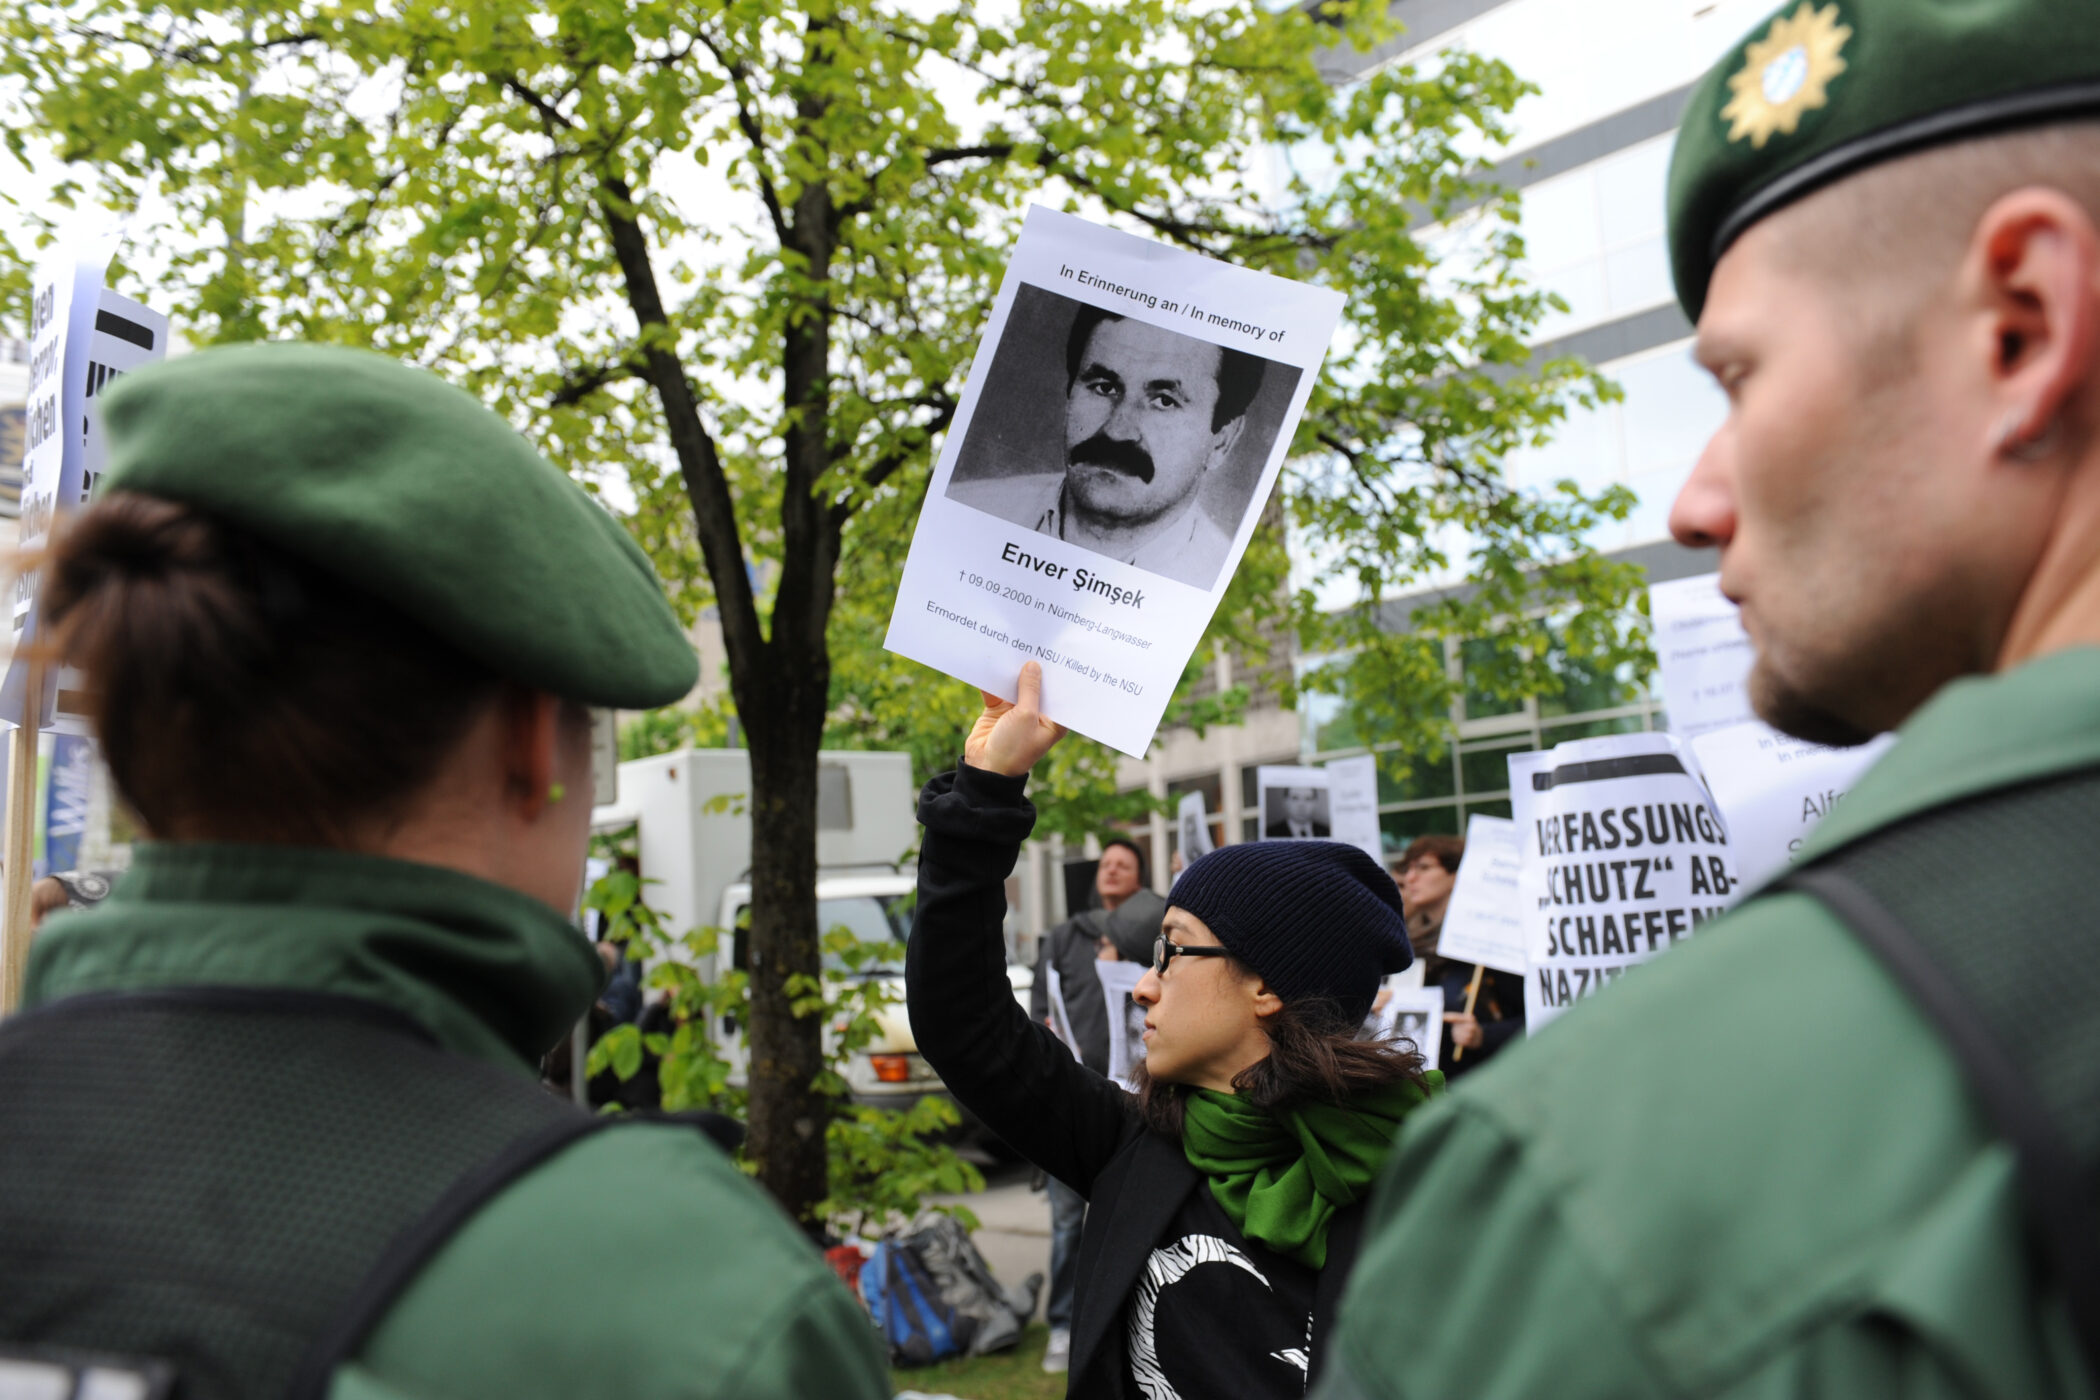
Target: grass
<point>1010,1375</point>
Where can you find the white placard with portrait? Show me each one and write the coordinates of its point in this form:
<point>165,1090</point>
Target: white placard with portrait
<point>1415,1014</point>
<point>1296,802</point>
<point>1125,419</point>
<point>1126,1019</point>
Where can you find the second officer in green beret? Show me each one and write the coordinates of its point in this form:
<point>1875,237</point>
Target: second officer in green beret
<point>271,1124</point>
<point>1843,1144</point>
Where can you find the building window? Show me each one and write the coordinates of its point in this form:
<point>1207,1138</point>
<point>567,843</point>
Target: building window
<point>1423,793</point>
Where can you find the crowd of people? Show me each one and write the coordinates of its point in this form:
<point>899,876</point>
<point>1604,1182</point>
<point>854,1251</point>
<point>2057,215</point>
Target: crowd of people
<point>271,1116</point>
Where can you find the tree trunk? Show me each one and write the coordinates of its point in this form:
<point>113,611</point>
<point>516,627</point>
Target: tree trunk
<point>781,682</point>
<point>788,1115</point>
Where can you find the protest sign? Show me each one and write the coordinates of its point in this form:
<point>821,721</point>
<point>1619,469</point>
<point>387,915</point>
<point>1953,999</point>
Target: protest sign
<point>126,335</point>
<point>1415,1014</point>
<point>1623,857</point>
<point>1772,790</point>
<point>67,795</point>
<point>1484,922</point>
<point>1060,1015</point>
<point>1128,411</point>
<point>1352,804</point>
<point>1702,654</point>
<point>1126,1019</point>
<point>65,292</point>
<point>1193,823</point>
<point>1295,802</point>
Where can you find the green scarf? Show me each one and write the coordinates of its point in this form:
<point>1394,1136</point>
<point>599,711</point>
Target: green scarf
<point>1282,1178</point>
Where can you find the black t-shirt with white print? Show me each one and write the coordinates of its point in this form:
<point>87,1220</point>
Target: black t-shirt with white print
<point>1215,1314</point>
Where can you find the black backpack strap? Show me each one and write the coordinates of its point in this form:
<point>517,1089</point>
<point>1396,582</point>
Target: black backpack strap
<point>415,1246</point>
<point>2054,1190</point>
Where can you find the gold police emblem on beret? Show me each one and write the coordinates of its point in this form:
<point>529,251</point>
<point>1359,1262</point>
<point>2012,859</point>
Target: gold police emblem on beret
<point>1786,73</point>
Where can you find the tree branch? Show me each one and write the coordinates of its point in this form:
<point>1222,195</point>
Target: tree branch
<point>893,461</point>
<point>580,384</point>
<point>754,132</point>
<point>549,113</point>
<point>699,462</point>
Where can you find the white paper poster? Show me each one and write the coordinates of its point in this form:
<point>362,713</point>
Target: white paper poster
<point>1623,857</point>
<point>1128,411</point>
<point>127,335</point>
<point>1126,1019</point>
<point>1060,1015</point>
<point>1296,802</point>
<point>1702,653</point>
<point>1773,790</point>
<point>1416,1014</point>
<point>1352,804</point>
<point>1194,825</point>
<point>65,292</point>
<point>1484,922</point>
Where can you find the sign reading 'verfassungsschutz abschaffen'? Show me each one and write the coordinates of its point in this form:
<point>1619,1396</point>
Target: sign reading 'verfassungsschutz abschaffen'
<point>1623,858</point>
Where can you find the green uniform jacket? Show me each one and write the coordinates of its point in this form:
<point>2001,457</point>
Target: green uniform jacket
<point>638,1263</point>
<point>1748,1170</point>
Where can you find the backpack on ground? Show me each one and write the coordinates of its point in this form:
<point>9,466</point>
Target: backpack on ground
<point>991,1317</point>
<point>917,1327</point>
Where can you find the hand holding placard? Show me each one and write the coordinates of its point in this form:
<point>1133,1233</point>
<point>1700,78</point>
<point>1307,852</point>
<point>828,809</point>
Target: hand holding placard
<point>1011,736</point>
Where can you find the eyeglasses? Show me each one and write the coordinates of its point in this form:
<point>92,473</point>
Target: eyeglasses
<point>1165,950</point>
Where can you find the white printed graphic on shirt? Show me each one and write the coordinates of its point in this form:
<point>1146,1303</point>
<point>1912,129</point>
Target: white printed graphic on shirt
<point>1168,1265</point>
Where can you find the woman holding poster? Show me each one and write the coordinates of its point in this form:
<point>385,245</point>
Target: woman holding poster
<point>1225,1195</point>
<point>1483,1008</point>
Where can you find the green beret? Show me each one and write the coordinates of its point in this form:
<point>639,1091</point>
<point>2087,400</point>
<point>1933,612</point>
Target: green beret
<point>1826,87</point>
<point>411,490</point>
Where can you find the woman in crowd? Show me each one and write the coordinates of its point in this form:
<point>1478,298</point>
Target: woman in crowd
<point>1426,872</point>
<point>1224,1199</point>
<point>272,1123</point>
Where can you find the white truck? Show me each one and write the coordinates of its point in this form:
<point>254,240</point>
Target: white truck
<point>694,839</point>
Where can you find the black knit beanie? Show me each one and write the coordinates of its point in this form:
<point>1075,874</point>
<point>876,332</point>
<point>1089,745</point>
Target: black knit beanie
<point>1314,918</point>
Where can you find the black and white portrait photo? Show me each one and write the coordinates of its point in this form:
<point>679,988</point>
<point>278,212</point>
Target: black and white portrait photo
<point>1123,437</point>
<point>1296,812</point>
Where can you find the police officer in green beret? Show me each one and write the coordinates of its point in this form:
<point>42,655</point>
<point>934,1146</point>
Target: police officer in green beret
<point>1843,1143</point>
<point>270,1123</point>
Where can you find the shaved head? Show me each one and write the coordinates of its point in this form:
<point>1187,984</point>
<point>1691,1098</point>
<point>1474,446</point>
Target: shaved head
<point>1893,235</point>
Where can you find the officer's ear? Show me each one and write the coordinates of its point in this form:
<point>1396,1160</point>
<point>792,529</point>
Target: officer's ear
<point>2035,261</point>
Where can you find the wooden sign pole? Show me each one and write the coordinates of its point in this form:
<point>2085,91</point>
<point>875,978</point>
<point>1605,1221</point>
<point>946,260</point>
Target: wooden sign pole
<point>21,842</point>
<point>1458,1052</point>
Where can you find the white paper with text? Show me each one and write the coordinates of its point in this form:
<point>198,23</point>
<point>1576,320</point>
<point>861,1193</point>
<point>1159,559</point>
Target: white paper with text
<point>1124,421</point>
<point>1624,857</point>
<point>1484,922</point>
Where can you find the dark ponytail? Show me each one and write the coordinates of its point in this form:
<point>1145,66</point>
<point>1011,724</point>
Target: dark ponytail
<point>241,694</point>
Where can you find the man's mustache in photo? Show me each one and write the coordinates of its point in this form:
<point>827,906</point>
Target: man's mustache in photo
<point>1117,454</point>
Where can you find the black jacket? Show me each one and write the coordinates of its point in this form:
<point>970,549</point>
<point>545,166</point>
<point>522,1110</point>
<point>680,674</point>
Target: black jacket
<point>1026,1087</point>
<point>1073,947</point>
<point>1499,1009</point>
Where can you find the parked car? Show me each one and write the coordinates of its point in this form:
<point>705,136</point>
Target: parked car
<point>889,1072</point>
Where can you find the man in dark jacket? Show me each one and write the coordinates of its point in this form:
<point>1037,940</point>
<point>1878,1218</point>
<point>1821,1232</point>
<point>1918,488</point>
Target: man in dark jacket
<point>1129,916</point>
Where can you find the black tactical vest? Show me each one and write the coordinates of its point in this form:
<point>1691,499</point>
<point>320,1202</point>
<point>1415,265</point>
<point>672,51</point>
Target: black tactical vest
<point>229,1186</point>
<point>1984,912</point>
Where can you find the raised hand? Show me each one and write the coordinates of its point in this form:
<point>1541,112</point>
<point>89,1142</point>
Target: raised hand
<point>1011,735</point>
